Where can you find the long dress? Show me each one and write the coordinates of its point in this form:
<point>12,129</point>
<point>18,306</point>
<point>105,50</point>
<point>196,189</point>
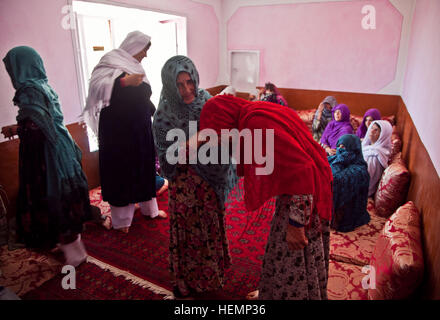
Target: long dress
<point>126,146</point>
<point>44,219</point>
<point>300,274</point>
<point>350,185</point>
<point>199,252</point>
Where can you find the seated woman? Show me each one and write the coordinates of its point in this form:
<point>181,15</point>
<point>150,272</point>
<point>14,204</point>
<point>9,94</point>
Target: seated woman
<point>270,93</point>
<point>339,126</point>
<point>322,117</point>
<point>350,185</point>
<point>369,116</point>
<point>376,148</point>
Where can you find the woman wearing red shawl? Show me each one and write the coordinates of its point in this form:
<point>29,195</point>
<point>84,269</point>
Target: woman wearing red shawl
<point>295,264</point>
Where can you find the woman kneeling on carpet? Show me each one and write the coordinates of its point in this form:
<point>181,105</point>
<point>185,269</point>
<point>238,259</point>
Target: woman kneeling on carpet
<point>199,251</point>
<point>295,264</point>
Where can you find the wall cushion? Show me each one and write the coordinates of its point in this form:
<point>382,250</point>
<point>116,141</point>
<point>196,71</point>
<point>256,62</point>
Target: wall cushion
<point>398,255</point>
<point>96,200</point>
<point>392,189</point>
<point>345,282</point>
<point>307,117</point>
<point>23,270</point>
<point>391,119</point>
<point>356,247</point>
<point>396,145</point>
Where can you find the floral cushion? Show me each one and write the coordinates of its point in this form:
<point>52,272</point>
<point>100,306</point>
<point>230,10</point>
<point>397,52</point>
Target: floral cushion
<point>23,270</point>
<point>398,255</point>
<point>390,119</point>
<point>307,117</point>
<point>356,247</point>
<point>392,189</point>
<point>96,200</point>
<point>345,282</point>
<point>396,145</point>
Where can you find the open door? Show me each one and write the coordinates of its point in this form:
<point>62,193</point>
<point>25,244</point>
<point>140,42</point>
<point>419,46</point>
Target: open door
<point>102,28</point>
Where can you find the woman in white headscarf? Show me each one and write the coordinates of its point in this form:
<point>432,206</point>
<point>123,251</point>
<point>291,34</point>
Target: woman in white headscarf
<point>376,148</point>
<point>119,111</point>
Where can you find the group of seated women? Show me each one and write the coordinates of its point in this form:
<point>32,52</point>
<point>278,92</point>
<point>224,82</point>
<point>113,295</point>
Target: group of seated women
<point>357,159</point>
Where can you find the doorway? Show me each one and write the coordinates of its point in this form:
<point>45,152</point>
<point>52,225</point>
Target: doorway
<point>101,28</point>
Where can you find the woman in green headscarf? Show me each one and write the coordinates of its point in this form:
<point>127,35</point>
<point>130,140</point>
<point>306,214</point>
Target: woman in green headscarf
<point>199,251</point>
<point>53,199</point>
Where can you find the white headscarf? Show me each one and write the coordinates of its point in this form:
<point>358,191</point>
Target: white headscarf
<point>111,66</point>
<point>228,90</point>
<point>382,147</point>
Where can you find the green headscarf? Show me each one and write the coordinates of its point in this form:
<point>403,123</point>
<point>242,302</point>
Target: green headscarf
<point>173,113</point>
<point>38,102</point>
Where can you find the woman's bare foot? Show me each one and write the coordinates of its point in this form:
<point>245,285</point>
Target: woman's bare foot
<point>124,230</point>
<point>107,223</point>
<point>252,295</point>
<point>162,215</point>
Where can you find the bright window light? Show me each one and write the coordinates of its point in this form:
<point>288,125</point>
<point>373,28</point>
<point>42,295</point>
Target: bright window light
<point>102,28</point>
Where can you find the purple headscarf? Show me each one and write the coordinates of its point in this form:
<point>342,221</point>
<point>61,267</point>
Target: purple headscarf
<point>362,130</point>
<point>336,129</point>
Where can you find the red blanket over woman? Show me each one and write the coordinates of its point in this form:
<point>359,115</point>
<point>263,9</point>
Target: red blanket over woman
<point>300,163</point>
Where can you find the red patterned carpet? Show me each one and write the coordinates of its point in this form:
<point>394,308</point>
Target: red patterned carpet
<point>143,254</point>
<point>92,283</point>
<point>144,250</point>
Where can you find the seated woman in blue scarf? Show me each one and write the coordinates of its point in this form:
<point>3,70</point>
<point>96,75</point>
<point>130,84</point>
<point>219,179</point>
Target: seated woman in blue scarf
<point>53,200</point>
<point>350,185</point>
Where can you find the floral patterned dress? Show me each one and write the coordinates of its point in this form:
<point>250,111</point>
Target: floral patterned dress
<point>300,274</point>
<point>199,251</point>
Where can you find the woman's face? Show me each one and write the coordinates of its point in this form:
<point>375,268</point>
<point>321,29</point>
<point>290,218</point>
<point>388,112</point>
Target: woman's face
<point>327,106</point>
<point>374,133</point>
<point>338,115</point>
<point>186,87</point>
<point>368,121</point>
<point>143,53</point>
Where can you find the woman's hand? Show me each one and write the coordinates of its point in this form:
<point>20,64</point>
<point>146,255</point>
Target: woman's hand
<point>320,109</point>
<point>296,238</point>
<point>10,131</point>
<point>132,80</point>
<point>330,151</point>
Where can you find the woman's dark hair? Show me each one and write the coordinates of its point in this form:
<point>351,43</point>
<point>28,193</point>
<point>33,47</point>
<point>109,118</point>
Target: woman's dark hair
<point>270,86</point>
